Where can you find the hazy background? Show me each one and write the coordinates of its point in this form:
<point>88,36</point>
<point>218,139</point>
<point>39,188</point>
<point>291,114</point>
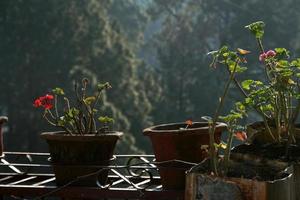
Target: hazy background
<point>153,52</point>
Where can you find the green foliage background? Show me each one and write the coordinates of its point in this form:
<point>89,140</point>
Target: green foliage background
<point>152,52</point>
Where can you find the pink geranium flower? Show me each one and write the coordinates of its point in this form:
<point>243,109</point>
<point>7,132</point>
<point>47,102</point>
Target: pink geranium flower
<point>268,54</point>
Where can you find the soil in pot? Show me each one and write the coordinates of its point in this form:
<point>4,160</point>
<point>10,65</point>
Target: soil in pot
<point>73,156</point>
<point>247,180</point>
<point>174,142</point>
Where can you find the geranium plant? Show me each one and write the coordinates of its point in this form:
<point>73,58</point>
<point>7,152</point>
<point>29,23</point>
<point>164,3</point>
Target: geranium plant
<point>275,97</point>
<point>81,117</point>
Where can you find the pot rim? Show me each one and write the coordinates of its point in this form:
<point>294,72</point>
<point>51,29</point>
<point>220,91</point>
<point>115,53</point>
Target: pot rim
<point>151,130</point>
<point>60,135</point>
<point>113,158</point>
<point>259,123</point>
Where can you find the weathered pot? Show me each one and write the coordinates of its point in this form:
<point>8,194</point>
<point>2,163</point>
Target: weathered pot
<point>73,156</point>
<point>203,187</point>
<point>275,151</point>
<point>175,142</point>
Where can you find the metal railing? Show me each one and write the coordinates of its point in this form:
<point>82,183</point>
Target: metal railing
<point>27,175</point>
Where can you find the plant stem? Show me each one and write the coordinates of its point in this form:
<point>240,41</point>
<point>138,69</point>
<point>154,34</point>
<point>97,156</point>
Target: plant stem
<point>261,48</point>
<point>227,151</point>
<point>55,104</point>
<point>93,123</point>
<point>268,128</point>
<point>238,85</point>
<point>53,124</point>
<point>278,116</point>
<point>212,128</point>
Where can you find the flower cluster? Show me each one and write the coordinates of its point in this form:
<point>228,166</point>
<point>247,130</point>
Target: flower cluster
<point>44,101</point>
<point>266,55</point>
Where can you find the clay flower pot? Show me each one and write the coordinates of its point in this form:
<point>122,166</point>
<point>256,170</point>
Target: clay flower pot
<point>172,142</point>
<point>248,179</point>
<point>73,156</point>
<point>262,147</point>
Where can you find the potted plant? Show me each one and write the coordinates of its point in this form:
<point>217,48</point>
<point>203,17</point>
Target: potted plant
<point>178,146</point>
<point>276,99</point>
<point>81,148</point>
<point>243,177</point>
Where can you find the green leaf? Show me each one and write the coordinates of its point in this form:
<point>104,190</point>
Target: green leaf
<point>257,28</point>
<point>89,100</point>
<point>296,63</point>
<point>286,73</point>
<point>249,101</point>
<point>101,86</point>
<point>95,110</point>
<point>223,49</point>
<point>233,116</point>
<point>283,64</point>
<point>238,69</point>
<point>246,84</point>
<point>267,107</point>
<point>240,107</point>
<point>106,119</point>
<point>225,54</point>
<point>282,53</point>
<point>223,145</point>
<point>291,82</point>
<point>61,122</point>
<point>58,91</point>
<point>73,112</point>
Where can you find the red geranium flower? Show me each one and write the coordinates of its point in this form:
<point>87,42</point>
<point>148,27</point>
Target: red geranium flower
<point>44,101</point>
<point>37,103</point>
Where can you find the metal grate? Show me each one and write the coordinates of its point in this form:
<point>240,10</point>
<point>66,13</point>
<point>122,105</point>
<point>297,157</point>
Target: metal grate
<point>26,175</point>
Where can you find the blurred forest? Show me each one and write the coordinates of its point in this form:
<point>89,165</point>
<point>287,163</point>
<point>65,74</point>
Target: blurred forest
<point>153,52</point>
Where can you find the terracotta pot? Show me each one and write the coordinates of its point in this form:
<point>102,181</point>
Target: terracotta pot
<point>274,152</point>
<point>73,156</point>
<point>174,142</point>
<point>267,180</point>
<point>201,187</point>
